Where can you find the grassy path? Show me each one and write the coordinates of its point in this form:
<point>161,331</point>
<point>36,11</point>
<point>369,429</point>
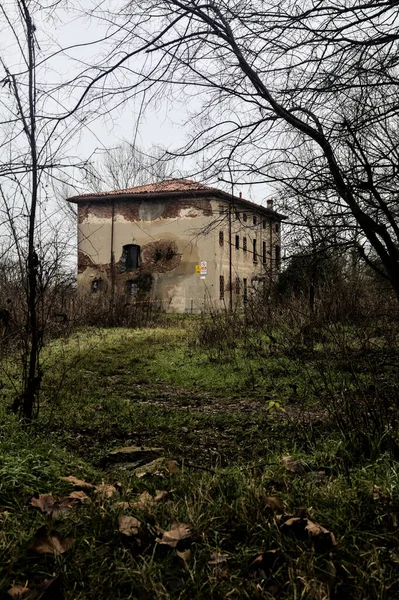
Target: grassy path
<point>245,510</point>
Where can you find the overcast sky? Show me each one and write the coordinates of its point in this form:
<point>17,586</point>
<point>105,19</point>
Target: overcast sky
<point>163,123</point>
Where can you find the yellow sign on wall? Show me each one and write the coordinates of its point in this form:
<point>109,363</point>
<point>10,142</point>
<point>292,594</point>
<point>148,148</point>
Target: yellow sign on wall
<point>198,269</point>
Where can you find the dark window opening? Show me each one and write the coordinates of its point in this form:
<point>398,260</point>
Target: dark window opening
<point>237,285</point>
<point>237,242</point>
<point>264,252</point>
<point>237,215</point>
<point>276,228</point>
<point>264,223</point>
<point>244,244</point>
<point>221,287</point>
<point>277,256</point>
<point>245,290</point>
<point>244,217</point>
<point>255,252</point>
<point>130,257</point>
<point>96,285</point>
<point>221,238</point>
<point>132,288</point>
<point>255,220</point>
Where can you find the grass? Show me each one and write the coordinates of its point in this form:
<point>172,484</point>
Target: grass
<point>156,387</point>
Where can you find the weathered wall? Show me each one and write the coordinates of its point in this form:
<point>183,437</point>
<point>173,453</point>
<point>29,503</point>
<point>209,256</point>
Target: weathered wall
<point>174,237</point>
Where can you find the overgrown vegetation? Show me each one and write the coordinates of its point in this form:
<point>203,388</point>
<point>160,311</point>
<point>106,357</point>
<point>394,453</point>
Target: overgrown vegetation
<point>276,457</point>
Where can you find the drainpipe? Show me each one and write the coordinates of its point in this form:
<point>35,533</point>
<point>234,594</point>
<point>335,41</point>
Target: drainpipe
<point>112,253</point>
<point>230,264</point>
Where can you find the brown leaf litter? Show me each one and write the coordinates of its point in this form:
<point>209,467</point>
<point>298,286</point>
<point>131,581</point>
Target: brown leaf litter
<point>51,543</point>
<point>178,533</point>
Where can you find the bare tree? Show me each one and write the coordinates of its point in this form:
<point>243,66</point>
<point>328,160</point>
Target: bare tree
<point>127,166</point>
<point>314,85</point>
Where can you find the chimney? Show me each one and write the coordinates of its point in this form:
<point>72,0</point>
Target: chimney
<point>270,204</point>
<point>240,194</point>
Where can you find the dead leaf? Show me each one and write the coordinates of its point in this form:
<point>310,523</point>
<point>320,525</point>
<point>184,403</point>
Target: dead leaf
<point>323,540</point>
<point>274,503</point>
<point>123,505</point>
<point>79,483</point>
<point>185,555</point>
<point>51,506</point>
<point>18,591</point>
<point>129,525</point>
<point>160,467</point>
<point>78,495</point>
<point>45,503</point>
<point>218,559</point>
<point>51,543</point>
<point>295,466</point>
<point>104,491</point>
<point>147,501</point>
<point>160,495</point>
<point>177,533</point>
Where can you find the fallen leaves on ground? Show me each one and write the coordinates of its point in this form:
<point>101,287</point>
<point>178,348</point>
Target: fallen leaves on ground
<point>217,558</point>
<point>105,491</point>
<point>178,533</point>
<point>274,503</point>
<point>160,467</point>
<point>51,543</point>
<point>185,555</point>
<point>322,540</point>
<point>53,507</point>
<point>18,591</point>
<point>147,501</point>
<point>129,525</point>
<point>79,483</point>
<point>78,495</point>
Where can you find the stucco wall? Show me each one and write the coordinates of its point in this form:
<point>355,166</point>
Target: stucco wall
<point>174,237</point>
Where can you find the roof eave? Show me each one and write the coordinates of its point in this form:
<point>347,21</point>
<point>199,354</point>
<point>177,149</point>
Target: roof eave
<point>177,194</point>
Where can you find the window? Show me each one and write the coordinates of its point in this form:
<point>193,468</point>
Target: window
<point>237,215</point>
<point>130,259</point>
<point>237,242</point>
<point>264,223</point>
<point>245,290</point>
<point>221,287</point>
<point>244,244</point>
<point>277,256</point>
<point>276,228</point>
<point>255,252</point>
<point>132,288</point>
<point>222,209</point>
<point>237,285</point>
<point>95,285</point>
<point>244,217</point>
<point>264,252</point>
<point>221,238</point>
<point>255,220</point>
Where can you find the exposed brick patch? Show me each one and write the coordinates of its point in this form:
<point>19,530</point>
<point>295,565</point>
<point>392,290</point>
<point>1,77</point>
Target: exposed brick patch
<point>129,210</point>
<point>101,210</point>
<point>173,208</point>
<point>160,256</point>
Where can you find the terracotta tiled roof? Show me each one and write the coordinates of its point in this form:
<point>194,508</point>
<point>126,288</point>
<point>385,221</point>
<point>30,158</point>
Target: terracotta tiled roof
<point>171,187</point>
<point>160,187</point>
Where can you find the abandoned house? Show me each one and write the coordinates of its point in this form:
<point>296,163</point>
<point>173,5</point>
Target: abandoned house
<point>182,245</point>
